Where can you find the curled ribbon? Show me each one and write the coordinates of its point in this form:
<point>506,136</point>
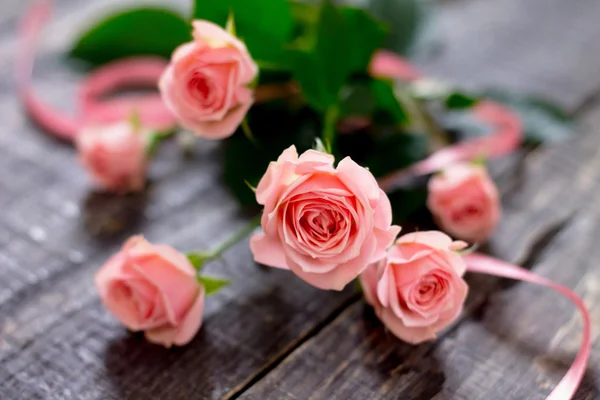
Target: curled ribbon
<point>93,107</point>
<point>145,71</point>
<point>570,382</point>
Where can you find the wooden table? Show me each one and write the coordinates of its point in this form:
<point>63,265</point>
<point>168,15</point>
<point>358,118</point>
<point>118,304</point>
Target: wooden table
<point>269,335</point>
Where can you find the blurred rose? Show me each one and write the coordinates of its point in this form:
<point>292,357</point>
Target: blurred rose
<point>206,83</point>
<point>418,289</point>
<point>464,201</point>
<point>153,288</point>
<point>115,155</point>
<point>325,224</point>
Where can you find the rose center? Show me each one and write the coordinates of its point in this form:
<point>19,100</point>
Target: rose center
<point>465,213</point>
<point>201,89</point>
<point>321,224</point>
<point>430,290</point>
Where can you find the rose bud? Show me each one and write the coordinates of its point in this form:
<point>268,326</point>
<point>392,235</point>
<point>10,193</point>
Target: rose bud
<point>115,155</point>
<point>418,289</point>
<point>206,83</point>
<point>153,288</point>
<point>325,224</point>
<point>464,201</point>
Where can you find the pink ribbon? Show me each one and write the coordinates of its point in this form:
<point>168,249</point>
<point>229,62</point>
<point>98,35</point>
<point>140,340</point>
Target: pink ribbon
<point>506,137</point>
<point>93,106</point>
<point>568,385</point>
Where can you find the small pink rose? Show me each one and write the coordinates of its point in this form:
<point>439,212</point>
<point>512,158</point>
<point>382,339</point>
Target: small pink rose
<point>206,83</point>
<point>418,289</point>
<point>464,201</point>
<point>325,224</point>
<point>153,288</point>
<point>115,155</point>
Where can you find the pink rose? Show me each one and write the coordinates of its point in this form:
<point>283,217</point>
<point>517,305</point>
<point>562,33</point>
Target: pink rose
<point>325,224</point>
<point>464,201</point>
<point>115,155</point>
<point>206,83</point>
<point>153,288</point>
<point>418,290</point>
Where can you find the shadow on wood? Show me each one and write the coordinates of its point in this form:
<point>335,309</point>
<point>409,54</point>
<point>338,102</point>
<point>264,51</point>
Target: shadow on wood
<point>110,215</point>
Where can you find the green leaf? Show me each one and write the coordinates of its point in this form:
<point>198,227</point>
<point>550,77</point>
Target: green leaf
<point>372,97</point>
<point>213,285</point>
<point>459,100</point>
<point>387,101</point>
<point>143,31</point>
<point>343,41</point>
<point>542,120</point>
<point>155,139</point>
<point>199,258</point>
<point>365,35</point>
<point>358,98</point>
<point>153,142</point>
<point>323,69</point>
<point>305,16</point>
<point>266,26</point>
<point>309,74</point>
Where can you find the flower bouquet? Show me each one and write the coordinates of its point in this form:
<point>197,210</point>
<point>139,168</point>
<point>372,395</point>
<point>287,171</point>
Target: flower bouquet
<point>334,140</point>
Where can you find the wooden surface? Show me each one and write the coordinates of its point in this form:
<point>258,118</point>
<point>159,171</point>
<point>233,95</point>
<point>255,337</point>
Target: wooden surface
<point>269,335</point>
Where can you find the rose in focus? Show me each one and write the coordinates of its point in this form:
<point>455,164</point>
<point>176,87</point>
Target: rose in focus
<point>418,289</point>
<point>153,288</point>
<point>206,83</point>
<point>325,224</point>
<point>115,155</point>
<point>464,201</point>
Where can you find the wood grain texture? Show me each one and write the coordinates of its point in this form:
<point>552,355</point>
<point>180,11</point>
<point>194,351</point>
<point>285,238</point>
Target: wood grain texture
<point>57,341</point>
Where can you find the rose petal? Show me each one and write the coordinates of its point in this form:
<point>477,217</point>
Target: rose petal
<point>360,181</point>
<point>341,275</point>
<point>168,335</point>
<point>413,335</point>
<point>267,251</point>
<point>224,128</point>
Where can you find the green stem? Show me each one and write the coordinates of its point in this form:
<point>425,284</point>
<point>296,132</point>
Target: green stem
<point>155,139</point>
<point>200,257</point>
<point>242,233</point>
<point>332,114</point>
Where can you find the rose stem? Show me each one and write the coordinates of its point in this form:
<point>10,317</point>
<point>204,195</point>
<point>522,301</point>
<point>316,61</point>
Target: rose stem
<point>241,234</point>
